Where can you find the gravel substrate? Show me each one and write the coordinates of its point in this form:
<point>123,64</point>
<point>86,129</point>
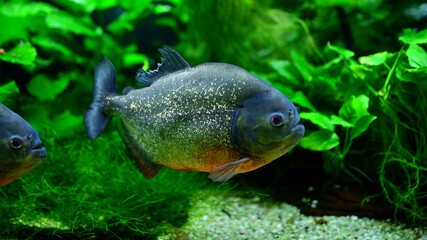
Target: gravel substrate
<point>242,218</point>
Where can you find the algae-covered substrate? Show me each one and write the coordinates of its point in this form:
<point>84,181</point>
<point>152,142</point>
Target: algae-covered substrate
<point>102,195</point>
<point>233,217</point>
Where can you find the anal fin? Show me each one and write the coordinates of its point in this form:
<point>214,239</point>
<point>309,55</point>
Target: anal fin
<point>148,169</point>
<point>227,171</point>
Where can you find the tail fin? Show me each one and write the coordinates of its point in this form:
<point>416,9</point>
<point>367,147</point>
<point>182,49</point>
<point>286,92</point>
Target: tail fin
<point>105,84</point>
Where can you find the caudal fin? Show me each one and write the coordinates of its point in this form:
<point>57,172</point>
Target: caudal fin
<point>105,84</point>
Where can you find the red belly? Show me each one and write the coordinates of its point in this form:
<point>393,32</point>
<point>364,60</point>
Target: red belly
<point>11,171</point>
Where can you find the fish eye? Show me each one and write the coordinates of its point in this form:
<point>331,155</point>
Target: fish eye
<point>15,142</point>
<point>276,120</point>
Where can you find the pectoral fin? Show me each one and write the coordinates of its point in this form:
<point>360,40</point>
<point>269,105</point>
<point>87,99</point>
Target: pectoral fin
<point>225,172</point>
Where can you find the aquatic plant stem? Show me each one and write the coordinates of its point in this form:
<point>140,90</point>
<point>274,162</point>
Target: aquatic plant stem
<point>384,91</point>
<point>348,142</point>
<point>313,44</point>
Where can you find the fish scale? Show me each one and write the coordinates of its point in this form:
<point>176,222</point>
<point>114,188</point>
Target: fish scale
<point>203,118</point>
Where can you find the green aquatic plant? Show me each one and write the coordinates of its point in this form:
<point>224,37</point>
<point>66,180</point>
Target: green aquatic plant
<point>403,171</point>
<point>360,91</point>
<point>53,48</point>
<point>242,32</point>
<point>84,189</point>
<point>6,90</point>
<point>89,189</point>
<point>370,119</point>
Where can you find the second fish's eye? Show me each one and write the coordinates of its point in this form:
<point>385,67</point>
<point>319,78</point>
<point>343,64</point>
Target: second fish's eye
<point>276,120</point>
<point>15,142</point>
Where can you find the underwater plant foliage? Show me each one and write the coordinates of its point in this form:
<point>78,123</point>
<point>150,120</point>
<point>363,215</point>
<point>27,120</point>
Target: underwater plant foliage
<point>81,192</point>
<point>358,77</point>
<point>84,189</point>
<point>361,92</point>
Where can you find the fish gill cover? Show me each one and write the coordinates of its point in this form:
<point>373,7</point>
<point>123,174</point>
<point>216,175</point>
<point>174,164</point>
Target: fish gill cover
<point>357,71</point>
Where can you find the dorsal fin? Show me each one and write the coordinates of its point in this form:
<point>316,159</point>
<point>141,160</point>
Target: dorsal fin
<point>171,62</point>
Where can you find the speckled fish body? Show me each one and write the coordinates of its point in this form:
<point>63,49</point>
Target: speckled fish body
<point>214,117</point>
<point>184,120</point>
<point>20,146</point>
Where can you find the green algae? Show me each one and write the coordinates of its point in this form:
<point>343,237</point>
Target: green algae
<point>86,188</point>
<point>89,188</point>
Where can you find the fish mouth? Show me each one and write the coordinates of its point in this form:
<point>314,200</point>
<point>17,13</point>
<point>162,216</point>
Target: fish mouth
<point>297,130</point>
<point>293,137</point>
<point>294,127</point>
<point>295,133</point>
<point>38,152</point>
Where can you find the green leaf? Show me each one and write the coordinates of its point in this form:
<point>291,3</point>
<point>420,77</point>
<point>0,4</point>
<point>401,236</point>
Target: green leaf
<point>24,54</point>
<point>303,66</point>
<point>68,23</point>
<point>12,29</point>
<point>321,140</point>
<point>417,56</point>
<point>67,124</point>
<point>54,45</point>
<point>122,23</point>
<point>354,108</point>
<point>375,59</point>
<point>339,121</point>
<point>361,125</point>
<point>48,43</point>
<point>160,9</point>
<point>7,90</point>
<point>300,99</point>
<point>25,9</point>
<point>286,70</point>
<point>410,37</point>
<point>318,119</point>
<point>422,70</point>
<point>104,4</point>
<point>45,89</point>
<point>369,5</point>
<point>167,22</point>
<point>347,54</point>
<point>406,73</point>
<point>358,71</point>
<point>132,59</point>
<point>126,21</point>
<point>330,3</point>
<point>18,18</point>
<point>141,5</point>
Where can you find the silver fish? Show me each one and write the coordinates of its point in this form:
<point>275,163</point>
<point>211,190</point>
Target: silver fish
<point>214,117</point>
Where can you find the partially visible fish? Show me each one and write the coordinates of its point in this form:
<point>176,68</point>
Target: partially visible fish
<point>214,117</point>
<point>20,146</point>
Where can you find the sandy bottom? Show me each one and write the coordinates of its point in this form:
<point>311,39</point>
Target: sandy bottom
<point>228,217</point>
